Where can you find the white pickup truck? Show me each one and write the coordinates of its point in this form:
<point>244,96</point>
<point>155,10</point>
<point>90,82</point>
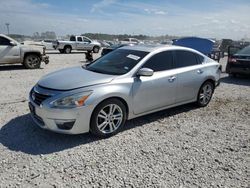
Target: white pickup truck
<point>12,52</point>
<point>80,43</point>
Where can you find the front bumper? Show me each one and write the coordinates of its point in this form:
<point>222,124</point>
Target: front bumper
<point>45,59</point>
<point>238,70</point>
<point>52,119</point>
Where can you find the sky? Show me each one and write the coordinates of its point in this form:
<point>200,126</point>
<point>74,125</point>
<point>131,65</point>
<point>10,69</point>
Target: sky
<point>203,18</point>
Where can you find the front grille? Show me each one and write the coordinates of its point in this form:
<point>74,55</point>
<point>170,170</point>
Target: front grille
<point>38,98</point>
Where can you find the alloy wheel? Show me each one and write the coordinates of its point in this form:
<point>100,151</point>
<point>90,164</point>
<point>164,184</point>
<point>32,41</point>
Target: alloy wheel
<point>206,94</point>
<point>109,118</point>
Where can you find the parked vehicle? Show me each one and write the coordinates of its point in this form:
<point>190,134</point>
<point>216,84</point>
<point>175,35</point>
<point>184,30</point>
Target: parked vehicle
<point>238,61</point>
<point>129,82</point>
<point>113,47</point>
<point>12,52</point>
<point>104,44</point>
<point>80,43</point>
<point>131,41</point>
<point>48,44</point>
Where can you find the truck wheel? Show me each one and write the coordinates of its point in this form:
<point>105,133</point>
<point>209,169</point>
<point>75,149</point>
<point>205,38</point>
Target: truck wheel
<point>67,49</point>
<point>96,49</point>
<point>32,61</point>
<point>61,51</point>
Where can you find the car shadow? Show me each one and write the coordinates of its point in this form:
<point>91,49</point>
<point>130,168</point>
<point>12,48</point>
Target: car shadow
<point>239,80</point>
<point>21,133</point>
<point>55,52</point>
<point>14,67</point>
<point>156,116</point>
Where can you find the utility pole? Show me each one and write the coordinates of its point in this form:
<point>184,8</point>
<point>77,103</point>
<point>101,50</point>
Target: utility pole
<point>7,25</point>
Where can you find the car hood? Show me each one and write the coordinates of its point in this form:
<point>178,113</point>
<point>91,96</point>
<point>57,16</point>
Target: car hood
<point>72,78</point>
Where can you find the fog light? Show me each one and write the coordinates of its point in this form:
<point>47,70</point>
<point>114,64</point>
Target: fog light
<point>65,124</point>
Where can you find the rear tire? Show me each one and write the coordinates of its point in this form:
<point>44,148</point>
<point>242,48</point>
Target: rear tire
<point>108,118</point>
<point>32,61</point>
<point>205,94</point>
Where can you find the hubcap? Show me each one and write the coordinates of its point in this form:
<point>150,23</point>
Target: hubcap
<point>109,118</point>
<point>206,94</point>
<point>33,61</point>
<point>95,49</point>
<point>67,50</point>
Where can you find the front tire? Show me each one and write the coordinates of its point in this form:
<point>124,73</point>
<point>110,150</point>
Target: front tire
<point>108,118</point>
<point>61,51</point>
<point>67,49</point>
<point>32,61</point>
<point>205,94</point>
<point>96,49</point>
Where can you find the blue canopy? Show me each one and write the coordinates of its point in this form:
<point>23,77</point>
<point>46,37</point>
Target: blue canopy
<point>202,45</point>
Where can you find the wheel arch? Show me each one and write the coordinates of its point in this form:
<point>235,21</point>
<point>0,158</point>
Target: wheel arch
<point>30,53</point>
<point>114,97</point>
<point>67,45</point>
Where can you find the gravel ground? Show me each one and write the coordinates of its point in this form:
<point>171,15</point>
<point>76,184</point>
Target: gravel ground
<point>180,147</point>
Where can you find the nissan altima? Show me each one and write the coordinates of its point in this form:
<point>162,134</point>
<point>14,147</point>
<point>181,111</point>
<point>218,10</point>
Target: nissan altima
<point>126,83</point>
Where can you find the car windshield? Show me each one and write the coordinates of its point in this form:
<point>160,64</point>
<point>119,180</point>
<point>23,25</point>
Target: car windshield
<point>244,51</point>
<point>117,62</point>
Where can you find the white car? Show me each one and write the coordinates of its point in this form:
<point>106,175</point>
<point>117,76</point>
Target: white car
<point>126,83</point>
<point>131,41</point>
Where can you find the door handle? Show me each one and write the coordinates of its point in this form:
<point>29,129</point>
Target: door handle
<point>171,78</point>
<point>199,71</point>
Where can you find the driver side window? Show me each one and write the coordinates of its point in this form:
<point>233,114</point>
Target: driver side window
<point>160,62</point>
<point>4,41</point>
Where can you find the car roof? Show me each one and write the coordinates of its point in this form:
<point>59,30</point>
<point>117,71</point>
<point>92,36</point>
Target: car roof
<point>151,48</point>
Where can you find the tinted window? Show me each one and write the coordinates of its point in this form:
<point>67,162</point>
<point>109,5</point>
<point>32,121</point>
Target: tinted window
<point>86,40</point>
<point>200,59</point>
<point>72,38</point>
<point>4,41</point>
<point>117,62</point>
<point>184,59</point>
<point>244,51</point>
<point>160,62</point>
<point>126,40</point>
<point>79,38</point>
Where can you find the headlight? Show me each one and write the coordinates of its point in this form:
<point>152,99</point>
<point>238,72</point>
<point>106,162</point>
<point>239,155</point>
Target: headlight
<point>72,101</point>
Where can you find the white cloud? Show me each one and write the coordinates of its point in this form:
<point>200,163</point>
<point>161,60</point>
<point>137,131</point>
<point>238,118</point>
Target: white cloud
<point>160,12</point>
<point>103,4</point>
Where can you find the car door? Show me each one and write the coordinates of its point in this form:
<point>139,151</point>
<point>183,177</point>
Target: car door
<point>80,43</point>
<point>87,43</point>
<point>158,90</point>
<point>9,53</point>
<point>190,73</point>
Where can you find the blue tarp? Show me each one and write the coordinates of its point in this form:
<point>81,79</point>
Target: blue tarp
<point>202,45</point>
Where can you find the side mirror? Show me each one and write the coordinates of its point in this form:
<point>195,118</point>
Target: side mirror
<point>145,72</point>
<point>12,43</point>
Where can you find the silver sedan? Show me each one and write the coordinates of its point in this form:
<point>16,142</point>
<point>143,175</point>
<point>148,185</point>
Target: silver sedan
<point>129,82</point>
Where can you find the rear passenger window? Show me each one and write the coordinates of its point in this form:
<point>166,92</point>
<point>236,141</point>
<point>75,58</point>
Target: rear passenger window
<point>200,59</point>
<point>79,39</point>
<point>160,62</point>
<point>184,59</point>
